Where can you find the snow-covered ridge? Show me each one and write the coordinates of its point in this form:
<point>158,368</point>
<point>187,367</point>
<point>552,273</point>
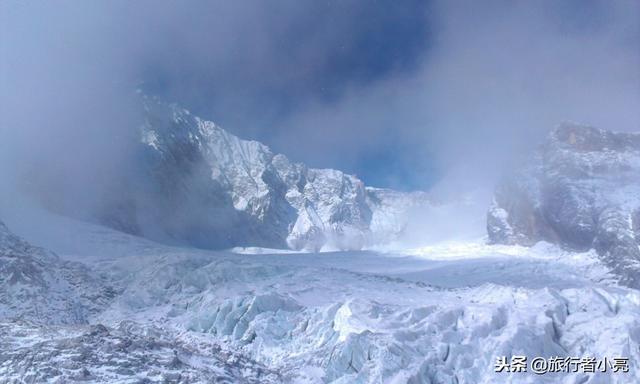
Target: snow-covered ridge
<point>581,189</point>
<point>278,203</point>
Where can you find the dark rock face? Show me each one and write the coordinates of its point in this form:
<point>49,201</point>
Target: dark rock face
<point>581,189</point>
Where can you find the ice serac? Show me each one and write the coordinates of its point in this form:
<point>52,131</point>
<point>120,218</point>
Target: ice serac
<point>581,189</point>
<point>244,194</point>
<point>36,285</point>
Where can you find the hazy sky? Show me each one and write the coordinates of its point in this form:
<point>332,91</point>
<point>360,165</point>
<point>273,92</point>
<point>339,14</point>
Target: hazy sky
<point>400,93</point>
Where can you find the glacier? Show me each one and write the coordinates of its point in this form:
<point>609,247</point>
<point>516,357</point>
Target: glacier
<point>440,313</point>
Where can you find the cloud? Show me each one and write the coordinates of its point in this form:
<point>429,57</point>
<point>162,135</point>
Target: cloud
<point>401,94</point>
<point>496,78</point>
<point>505,73</point>
<point>68,72</point>
<point>66,108</point>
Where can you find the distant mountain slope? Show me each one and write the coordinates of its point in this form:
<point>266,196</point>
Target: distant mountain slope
<point>581,190</point>
<point>203,186</point>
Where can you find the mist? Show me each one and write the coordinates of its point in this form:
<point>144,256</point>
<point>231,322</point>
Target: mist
<point>497,78</point>
<point>67,102</point>
<point>433,96</point>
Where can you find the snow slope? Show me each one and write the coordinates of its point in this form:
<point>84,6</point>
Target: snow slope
<point>318,320</point>
<point>126,354</point>
<point>436,314</point>
<point>37,285</point>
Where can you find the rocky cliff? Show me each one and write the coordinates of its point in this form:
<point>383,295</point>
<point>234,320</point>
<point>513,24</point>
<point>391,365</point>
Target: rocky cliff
<point>580,189</point>
<point>198,184</point>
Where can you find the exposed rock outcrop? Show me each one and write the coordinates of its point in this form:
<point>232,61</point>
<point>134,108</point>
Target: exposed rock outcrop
<point>581,189</point>
<point>198,184</point>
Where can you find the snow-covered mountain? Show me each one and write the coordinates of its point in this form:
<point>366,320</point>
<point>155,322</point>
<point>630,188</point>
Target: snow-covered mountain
<point>103,306</point>
<point>581,189</point>
<point>206,187</point>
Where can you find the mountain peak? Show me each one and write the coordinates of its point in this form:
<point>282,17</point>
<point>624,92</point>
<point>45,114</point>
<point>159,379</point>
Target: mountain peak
<point>201,185</point>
